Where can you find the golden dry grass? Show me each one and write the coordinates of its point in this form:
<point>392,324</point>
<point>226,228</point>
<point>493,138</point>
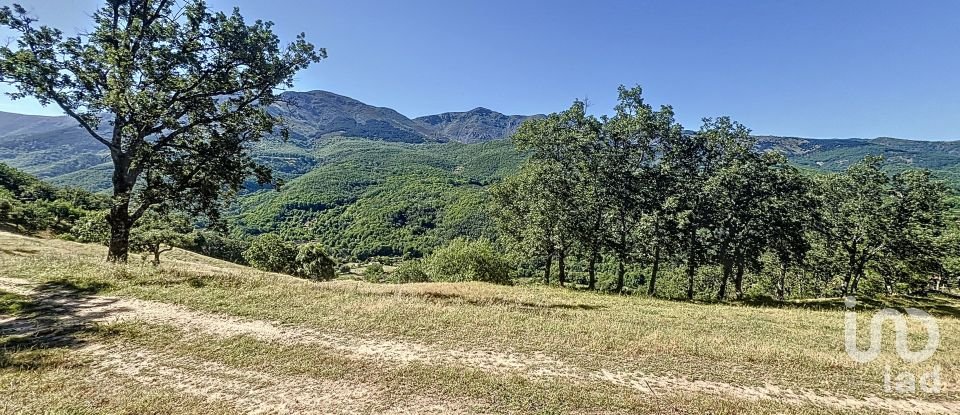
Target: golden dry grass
<point>439,347</point>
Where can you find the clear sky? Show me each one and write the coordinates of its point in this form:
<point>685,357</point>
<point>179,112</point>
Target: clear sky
<point>812,68</point>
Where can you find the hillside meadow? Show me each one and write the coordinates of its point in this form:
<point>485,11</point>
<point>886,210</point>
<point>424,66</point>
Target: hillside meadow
<point>198,335</point>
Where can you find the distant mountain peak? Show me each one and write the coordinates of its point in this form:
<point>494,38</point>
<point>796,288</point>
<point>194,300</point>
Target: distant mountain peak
<point>482,111</point>
<point>318,113</point>
<point>478,124</point>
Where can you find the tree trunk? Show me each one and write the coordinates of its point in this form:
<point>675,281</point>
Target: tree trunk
<point>119,248</point>
<point>119,217</point>
<point>156,256</point>
<point>691,265</point>
<point>652,286</point>
<point>562,266</point>
<point>738,281</point>
<point>782,282</point>
<point>546,269</point>
<point>621,273</point>
<point>622,253</point>
<point>726,270</point>
<point>858,273</point>
<point>592,271</point>
<point>851,270</point>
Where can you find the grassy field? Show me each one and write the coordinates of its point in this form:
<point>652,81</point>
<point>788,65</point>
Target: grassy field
<point>197,335</point>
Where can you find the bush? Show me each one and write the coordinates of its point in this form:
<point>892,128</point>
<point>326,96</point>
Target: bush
<point>32,217</point>
<point>215,245</point>
<point>92,227</point>
<point>156,233</point>
<point>409,271</point>
<point>270,252</point>
<point>314,263</point>
<point>345,269</point>
<point>464,260</point>
<point>373,272</point>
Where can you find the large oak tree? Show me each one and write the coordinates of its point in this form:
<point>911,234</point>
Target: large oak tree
<point>175,91</point>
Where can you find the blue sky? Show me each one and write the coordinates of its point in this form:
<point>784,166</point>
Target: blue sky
<point>808,68</point>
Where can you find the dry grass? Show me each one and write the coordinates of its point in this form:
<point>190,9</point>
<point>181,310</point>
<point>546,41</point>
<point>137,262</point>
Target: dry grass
<point>693,357</point>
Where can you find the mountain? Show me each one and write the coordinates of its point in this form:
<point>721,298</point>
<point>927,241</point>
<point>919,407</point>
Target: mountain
<point>478,124</point>
<point>315,115</point>
<point>367,181</point>
<point>59,151</point>
<point>942,157</point>
<point>318,114</point>
<point>47,146</point>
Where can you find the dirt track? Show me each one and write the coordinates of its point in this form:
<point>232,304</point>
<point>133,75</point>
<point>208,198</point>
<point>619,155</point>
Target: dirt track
<point>258,392</point>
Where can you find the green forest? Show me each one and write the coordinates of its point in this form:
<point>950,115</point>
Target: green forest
<point>207,154</point>
<point>630,203</point>
<point>633,201</point>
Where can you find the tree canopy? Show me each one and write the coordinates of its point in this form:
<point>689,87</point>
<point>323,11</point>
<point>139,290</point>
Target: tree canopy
<point>175,91</point>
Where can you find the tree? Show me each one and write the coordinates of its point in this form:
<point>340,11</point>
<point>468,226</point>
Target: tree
<point>526,219</point>
<point>694,160</point>
<point>759,202</point>
<point>182,92</point>
<point>269,252</point>
<point>556,146</point>
<point>157,233</point>
<point>858,215</point>
<point>467,260</point>
<point>791,215</point>
<point>216,245</point>
<point>313,262</point>
<point>92,227</point>
<point>917,227</point>
<point>634,184</point>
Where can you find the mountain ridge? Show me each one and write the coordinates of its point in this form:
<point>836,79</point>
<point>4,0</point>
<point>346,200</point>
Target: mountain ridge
<point>56,149</point>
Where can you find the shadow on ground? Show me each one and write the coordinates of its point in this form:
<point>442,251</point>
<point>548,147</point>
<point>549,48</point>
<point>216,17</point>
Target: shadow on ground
<point>56,315</point>
<point>938,304</point>
<point>458,299</point>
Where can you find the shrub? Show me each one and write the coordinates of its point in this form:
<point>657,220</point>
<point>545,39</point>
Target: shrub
<point>157,233</point>
<point>215,245</point>
<point>345,269</point>
<point>32,217</point>
<point>409,271</point>
<point>465,260</point>
<point>270,252</point>
<point>314,263</point>
<point>92,227</point>
<point>373,272</point>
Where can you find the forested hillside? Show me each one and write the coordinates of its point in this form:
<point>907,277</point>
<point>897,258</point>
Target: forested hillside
<point>371,184</point>
<point>57,150</point>
<point>368,199</point>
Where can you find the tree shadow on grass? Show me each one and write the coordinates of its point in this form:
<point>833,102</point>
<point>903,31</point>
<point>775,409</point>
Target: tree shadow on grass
<point>456,299</point>
<point>57,315</point>
<point>18,251</point>
<point>937,304</point>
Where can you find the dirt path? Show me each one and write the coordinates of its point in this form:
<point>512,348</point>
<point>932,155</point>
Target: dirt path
<point>206,378</point>
<point>252,392</point>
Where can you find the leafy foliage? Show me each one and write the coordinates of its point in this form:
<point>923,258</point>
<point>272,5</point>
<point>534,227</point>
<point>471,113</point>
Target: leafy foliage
<point>374,272</point>
<point>269,252</point>
<point>369,199</point>
<point>183,89</point>
<point>465,260</point>
<point>314,263</point>
<point>707,209</point>
<point>409,272</point>
<point>30,205</point>
<point>158,233</point>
